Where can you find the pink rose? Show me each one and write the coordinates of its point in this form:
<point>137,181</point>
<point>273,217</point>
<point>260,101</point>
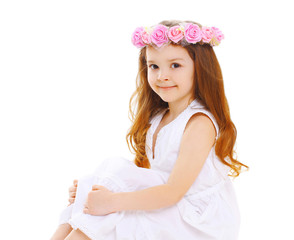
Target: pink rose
<point>159,35</point>
<point>217,36</point>
<point>137,37</point>
<point>146,37</point>
<point>193,33</point>
<point>175,33</point>
<point>207,34</point>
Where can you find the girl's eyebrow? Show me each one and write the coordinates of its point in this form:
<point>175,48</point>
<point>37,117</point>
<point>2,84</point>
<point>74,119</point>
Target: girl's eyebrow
<point>170,60</point>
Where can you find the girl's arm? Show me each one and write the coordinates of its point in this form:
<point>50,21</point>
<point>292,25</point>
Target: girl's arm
<point>147,199</point>
<point>196,143</point>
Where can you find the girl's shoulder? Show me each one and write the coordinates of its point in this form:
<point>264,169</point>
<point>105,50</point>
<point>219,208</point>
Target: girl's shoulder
<point>196,107</point>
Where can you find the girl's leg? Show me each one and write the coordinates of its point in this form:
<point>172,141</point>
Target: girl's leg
<point>77,235</point>
<point>62,231</point>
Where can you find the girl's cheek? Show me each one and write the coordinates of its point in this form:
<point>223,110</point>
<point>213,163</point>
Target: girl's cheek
<point>151,78</point>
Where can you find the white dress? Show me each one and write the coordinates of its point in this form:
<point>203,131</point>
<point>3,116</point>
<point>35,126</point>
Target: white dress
<point>208,210</point>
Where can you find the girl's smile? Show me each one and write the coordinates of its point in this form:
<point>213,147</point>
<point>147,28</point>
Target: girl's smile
<point>166,88</point>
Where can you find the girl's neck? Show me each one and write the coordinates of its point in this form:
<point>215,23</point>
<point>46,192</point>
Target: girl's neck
<point>175,108</point>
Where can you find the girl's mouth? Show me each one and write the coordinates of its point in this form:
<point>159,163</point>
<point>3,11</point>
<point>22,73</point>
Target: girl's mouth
<point>167,88</point>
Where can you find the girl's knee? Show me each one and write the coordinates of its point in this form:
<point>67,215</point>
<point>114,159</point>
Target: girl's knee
<point>77,235</point>
<point>62,231</point>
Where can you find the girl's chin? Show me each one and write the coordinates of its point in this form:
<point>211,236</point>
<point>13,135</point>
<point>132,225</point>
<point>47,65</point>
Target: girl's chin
<point>167,98</point>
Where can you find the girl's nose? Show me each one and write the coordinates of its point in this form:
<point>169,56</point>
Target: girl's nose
<point>163,76</point>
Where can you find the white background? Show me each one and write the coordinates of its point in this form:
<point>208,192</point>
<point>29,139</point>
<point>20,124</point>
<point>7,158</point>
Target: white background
<point>68,69</point>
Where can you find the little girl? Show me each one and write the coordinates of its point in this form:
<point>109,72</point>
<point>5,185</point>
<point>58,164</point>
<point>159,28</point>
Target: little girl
<point>178,185</point>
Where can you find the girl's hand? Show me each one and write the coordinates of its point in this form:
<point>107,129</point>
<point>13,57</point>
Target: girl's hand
<point>72,192</point>
<point>99,201</point>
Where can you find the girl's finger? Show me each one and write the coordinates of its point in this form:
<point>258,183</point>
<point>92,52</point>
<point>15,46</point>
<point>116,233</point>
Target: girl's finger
<point>75,182</point>
<point>71,200</point>
<point>97,187</point>
<point>72,194</point>
<point>86,210</point>
<point>72,189</point>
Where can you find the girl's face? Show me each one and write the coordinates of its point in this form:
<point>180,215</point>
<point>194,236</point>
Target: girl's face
<point>170,73</point>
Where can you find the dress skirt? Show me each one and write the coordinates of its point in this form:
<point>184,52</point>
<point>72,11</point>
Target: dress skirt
<point>210,214</point>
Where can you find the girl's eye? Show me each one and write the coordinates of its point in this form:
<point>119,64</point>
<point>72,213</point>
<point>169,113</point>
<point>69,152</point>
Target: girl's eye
<point>153,66</point>
<point>176,65</point>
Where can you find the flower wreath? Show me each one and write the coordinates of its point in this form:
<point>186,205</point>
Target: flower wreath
<point>190,33</point>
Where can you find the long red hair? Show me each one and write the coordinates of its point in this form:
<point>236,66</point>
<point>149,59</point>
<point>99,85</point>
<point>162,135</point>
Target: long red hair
<point>208,89</point>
